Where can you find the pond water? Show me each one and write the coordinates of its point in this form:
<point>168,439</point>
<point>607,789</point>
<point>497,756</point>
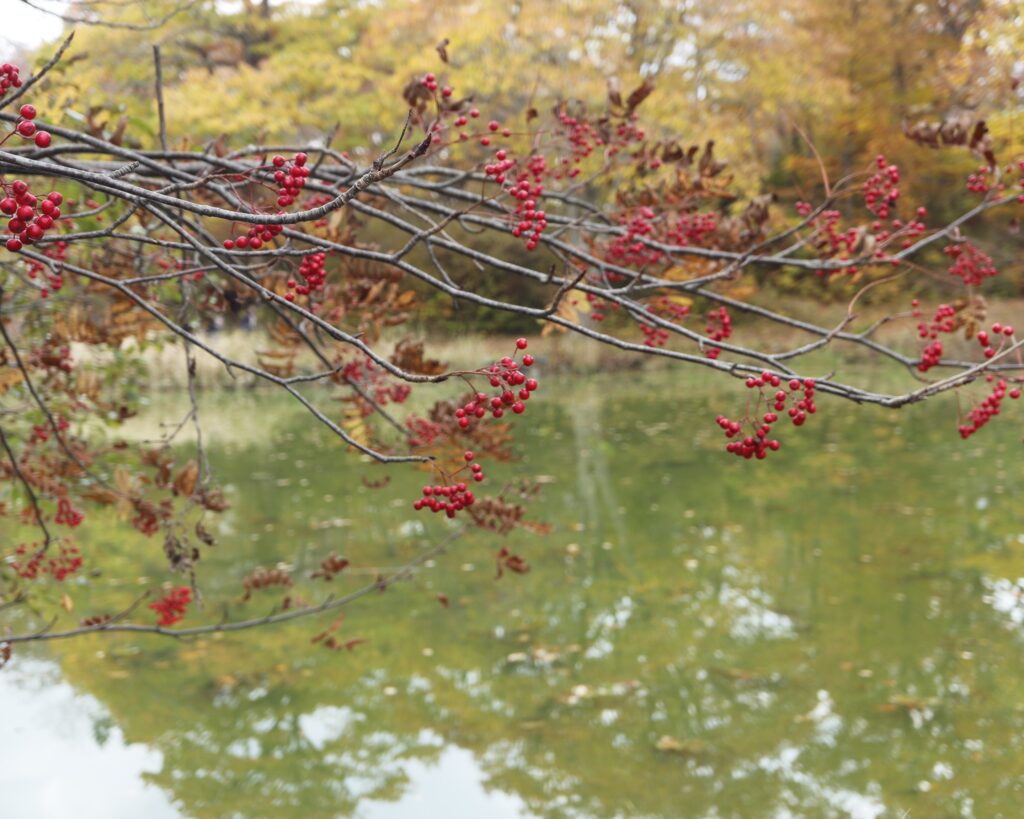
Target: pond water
<point>836,631</point>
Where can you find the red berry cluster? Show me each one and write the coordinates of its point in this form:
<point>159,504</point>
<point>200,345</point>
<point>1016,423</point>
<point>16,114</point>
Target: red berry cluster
<point>719,328</point>
<point>506,375</point>
<point>984,412</point>
<point>461,121</point>
<point>314,272</point>
<point>9,78</point>
<point>654,336</point>
<point>374,380</point>
<point>65,563</point>
<point>981,180</point>
<point>909,231</point>
<point>452,495</point>
<point>67,514</point>
<point>527,188</point>
<point>969,263</point>
<point>56,251</point>
<point>255,238</point>
<point>430,83</point>
<point>580,135</point>
<point>30,218</point>
<point>931,355</point>
<point>451,498</point>
<point>422,432</point>
<point>173,607</point>
<point>986,342</point>
<point>663,306</point>
<point>25,127</point>
<point>627,250</point>
<point>500,167</point>
<point>758,444</point>
<point>693,228</point>
<point>41,432</point>
<point>881,189</point>
<point>944,321</point>
<point>291,177</point>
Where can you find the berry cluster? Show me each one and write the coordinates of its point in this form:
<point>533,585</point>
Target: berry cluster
<point>461,121</point>
<point>989,407</point>
<point>758,444</point>
<point>65,563</point>
<point>173,606</point>
<point>255,238</point>
<point>30,218</point>
<point>26,128</point>
<point>969,263</point>
<point>945,320</point>
<point>527,188</point>
<point>500,167</point>
<point>451,498</point>
<point>627,250</point>
<point>907,231</point>
<point>54,278</point>
<point>314,272</point>
<point>986,342</point>
<point>291,176</point>
<point>67,515</point>
<point>422,432</point>
<point>881,189</point>
<point>693,228</point>
<point>981,180</point>
<point>719,328</point>
<point>931,355</point>
<point>453,495</point>
<point>366,373</point>
<point>506,375</point>
<point>9,78</point>
<point>580,135</point>
<point>663,306</point>
<point>448,499</point>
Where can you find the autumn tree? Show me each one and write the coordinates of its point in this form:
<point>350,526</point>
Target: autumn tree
<point>119,236</point>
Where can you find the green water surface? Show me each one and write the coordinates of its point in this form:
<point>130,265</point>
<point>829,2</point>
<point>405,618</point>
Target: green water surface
<point>836,631</point>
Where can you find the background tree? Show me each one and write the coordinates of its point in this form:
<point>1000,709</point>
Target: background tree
<point>143,222</point>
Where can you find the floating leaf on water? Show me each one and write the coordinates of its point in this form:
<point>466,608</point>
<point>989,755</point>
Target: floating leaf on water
<point>690,747</point>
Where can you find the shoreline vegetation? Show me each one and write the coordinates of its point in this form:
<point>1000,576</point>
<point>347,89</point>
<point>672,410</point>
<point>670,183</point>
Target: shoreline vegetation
<point>163,366</point>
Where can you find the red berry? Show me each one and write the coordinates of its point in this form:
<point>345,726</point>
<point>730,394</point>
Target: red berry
<point>28,111</point>
<point>43,139</point>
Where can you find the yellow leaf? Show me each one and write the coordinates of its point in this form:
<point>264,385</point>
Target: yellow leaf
<point>567,311</point>
<point>355,426</point>
<point>66,602</point>
<point>185,482</point>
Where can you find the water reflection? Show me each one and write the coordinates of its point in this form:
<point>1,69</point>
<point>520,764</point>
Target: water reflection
<point>61,755</point>
<point>822,634</point>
